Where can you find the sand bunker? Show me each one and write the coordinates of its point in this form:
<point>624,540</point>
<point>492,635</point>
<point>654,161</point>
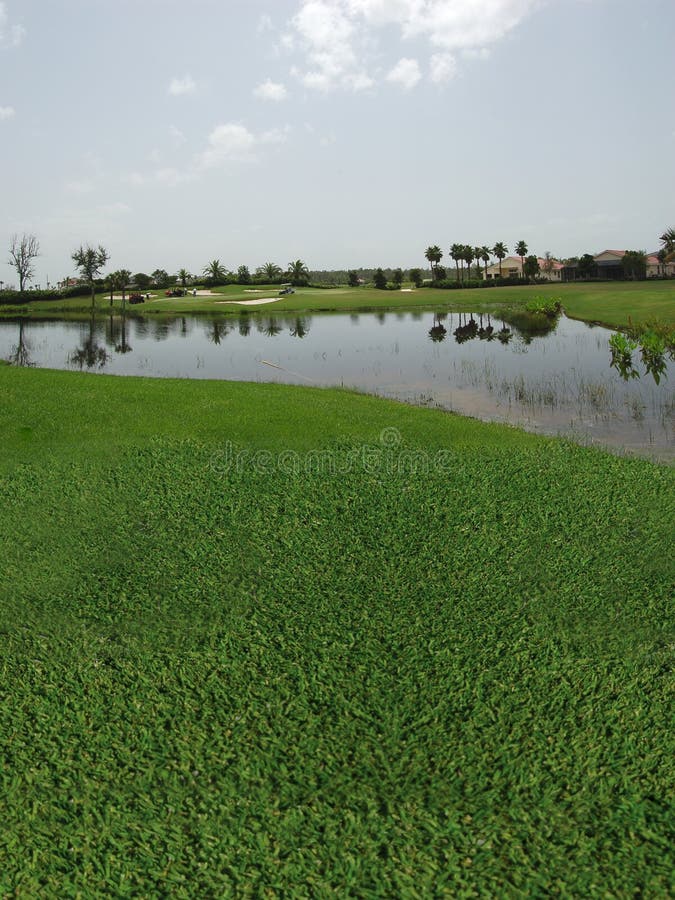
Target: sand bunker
<point>257,302</point>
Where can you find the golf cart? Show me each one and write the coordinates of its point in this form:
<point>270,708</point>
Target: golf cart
<point>286,289</point>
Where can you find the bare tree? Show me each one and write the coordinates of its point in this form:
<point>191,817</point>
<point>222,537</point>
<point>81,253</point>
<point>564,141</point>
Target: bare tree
<point>90,261</point>
<point>22,251</point>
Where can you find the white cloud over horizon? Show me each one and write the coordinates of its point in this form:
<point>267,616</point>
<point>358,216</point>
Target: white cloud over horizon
<point>10,35</point>
<point>230,142</point>
<point>271,90</point>
<point>406,73</point>
<point>338,36</point>
<point>181,87</point>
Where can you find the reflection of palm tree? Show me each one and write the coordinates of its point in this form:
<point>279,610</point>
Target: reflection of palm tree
<point>244,326</point>
<point>299,328</point>
<point>272,328</point>
<point>218,331</point>
<point>504,334</point>
<point>20,355</point>
<point>438,331</point>
<point>90,354</point>
<point>465,331</point>
<point>122,346</point>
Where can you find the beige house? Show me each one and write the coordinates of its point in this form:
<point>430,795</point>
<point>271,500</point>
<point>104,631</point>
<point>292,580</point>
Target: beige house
<point>609,264</point>
<point>512,268</point>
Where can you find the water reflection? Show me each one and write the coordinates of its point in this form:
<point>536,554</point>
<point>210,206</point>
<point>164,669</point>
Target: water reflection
<point>90,353</point>
<point>490,367</point>
<point>19,355</point>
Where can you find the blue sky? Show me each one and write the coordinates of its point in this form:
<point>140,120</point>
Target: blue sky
<point>343,132</point>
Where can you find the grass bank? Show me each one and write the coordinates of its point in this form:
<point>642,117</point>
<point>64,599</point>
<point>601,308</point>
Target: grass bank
<point>614,304</point>
<point>433,656</point>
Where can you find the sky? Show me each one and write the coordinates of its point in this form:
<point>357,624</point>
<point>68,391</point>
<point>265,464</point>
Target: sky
<point>345,133</point>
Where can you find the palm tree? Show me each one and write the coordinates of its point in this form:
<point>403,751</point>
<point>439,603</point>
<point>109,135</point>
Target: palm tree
<point>215,271</point>
<point>468,258</point>
<point>521,250</point>
<point>298,272</point>
<point>456,253</point>
<point>477,251</point>
<point>183,276</point>
<point>485,256</point>
<point>434,255</point>
<point>500,250</point>
<point>270,272</point>
<point>668,241</point>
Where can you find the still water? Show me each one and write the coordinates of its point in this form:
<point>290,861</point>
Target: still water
<point>558,383</point>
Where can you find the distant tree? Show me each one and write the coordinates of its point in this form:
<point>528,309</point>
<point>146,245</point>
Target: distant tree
<point>521,251</point>
<point>160,278</point>
<point>668,241</point>
<point>141,280</point>
<point>215,271</point>
<point>270,272</point>
<point>416,277</point>
<point>468,256</point>
<point>500,250</point>
<point>90,261</point>
<point>477,253</point>
<point>119,281</point>
<point>549,264</point>
<point>586,265</point>
<point>397,277</point>
<point>380,279</point>
<point>531,267</point>
<point>662,257</point>
<point>183,276</point>
<point>243,275</point>
<point>634,264</point>
<point>485,256</point>
<point>353,278</point>
<point>434,255</point>
<point>22,253</point>
<point>441,273</point>
<point>298,272</point>
<point>457,253</point>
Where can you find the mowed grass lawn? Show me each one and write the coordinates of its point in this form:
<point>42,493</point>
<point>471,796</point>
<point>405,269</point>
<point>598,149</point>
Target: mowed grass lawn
<point>380,672</point>
<point>614,304</point>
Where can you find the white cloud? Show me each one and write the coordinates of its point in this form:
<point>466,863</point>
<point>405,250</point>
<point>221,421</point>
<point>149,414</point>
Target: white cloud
<point>133,178</point>
<point>80,186</point>
<point>271,90</point>
<point>7,112</point>
<point>180,87</point>
<point>265,23</point>
<point>235,143</point>
<point>337,35</point>
<point>10,35</point>
<point>405,73</point>
<point>442,67</point>
<point>177,135</point>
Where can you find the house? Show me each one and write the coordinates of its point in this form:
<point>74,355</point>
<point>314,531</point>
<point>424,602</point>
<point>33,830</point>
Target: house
<point>511,267</point>
<point>609,265</point>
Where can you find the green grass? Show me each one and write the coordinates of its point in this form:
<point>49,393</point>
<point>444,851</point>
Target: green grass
<point>614,304</point>
<point>270,680</point>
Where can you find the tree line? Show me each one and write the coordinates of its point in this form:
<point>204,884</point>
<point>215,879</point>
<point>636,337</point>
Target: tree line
<point>90,262</point>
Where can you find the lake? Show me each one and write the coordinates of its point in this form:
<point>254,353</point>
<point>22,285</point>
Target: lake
<point>555,383</point>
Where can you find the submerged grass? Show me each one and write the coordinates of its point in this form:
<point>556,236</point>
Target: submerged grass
<point>265,678</point>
